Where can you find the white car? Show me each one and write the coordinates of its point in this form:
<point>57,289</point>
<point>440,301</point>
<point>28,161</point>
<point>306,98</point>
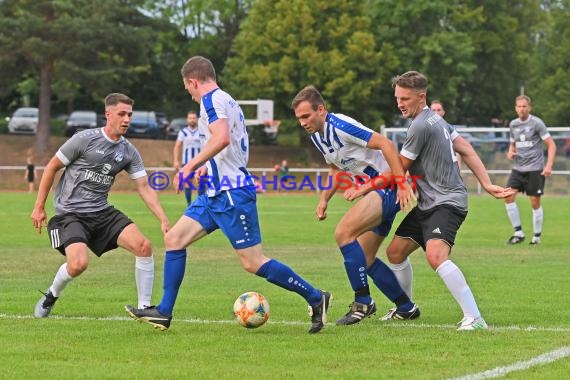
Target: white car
<point>24,120</point>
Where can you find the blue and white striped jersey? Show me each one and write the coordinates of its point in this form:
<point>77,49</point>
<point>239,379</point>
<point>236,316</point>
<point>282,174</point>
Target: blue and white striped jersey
<point>192,141</point>
<point>227,170</point>
<point>343,144</point>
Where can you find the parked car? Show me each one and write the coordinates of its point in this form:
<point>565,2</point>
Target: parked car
<point>144,124</point>
<point>24,120</point>
<point>80,120</point>
<point>175,126</point>
<point>163,123</point>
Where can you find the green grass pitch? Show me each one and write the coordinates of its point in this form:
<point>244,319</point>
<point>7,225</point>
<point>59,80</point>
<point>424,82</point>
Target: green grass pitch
<point>523,292</point>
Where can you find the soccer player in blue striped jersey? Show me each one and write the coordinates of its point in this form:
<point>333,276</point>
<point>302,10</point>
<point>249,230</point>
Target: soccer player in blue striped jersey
<point>357,152</point>
<point>229,204</point>
<point>429,153</point>
<point>188,144</point>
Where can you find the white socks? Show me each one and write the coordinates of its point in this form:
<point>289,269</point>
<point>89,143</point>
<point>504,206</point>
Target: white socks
<point>457,285</point>
<point>537,217</point>
<point>514,216</point>
<point>405,274</point>
<point>62,278</point>
<point>144,275</point>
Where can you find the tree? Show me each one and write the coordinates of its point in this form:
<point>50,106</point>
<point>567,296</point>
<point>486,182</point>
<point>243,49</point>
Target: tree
<point>94,43</point>
<point>285,45</point>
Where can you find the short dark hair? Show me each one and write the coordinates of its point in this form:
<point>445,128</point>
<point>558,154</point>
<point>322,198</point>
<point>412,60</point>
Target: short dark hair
<point>199,68</point>
<point>191,112</point>
<point>411,79</point>
<point>116,97</point>
<point>523,97</point>
<point>310,94</point>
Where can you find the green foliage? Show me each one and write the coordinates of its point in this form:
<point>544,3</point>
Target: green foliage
<point>286,45</point>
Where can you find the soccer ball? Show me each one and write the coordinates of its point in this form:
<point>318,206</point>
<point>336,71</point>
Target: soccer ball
<point>251,310</point>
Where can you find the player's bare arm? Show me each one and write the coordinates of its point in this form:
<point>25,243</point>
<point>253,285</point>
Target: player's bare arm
<point>220,131</point>
<point>39,216</point>
<point>326,195</point>
<point>150,198</point>
<point>551,153</point>
<point>177,155</point>
<point>405,195</point>
<point>512,152</point>
<point>474,163</point>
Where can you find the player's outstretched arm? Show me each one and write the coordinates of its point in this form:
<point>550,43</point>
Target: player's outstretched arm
<point>473,162</point>
<point>150,198</point>
<point>39,216</point>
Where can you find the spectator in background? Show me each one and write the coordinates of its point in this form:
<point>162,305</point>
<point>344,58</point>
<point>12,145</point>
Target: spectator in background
<point>527,132</point>
<point>283,173</point>
<point>437,107</point>
<point>30,173</point>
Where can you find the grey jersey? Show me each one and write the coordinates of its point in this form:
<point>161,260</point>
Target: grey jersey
<point>528,136</point>
<point>92,161</point>
<point>429,143</point>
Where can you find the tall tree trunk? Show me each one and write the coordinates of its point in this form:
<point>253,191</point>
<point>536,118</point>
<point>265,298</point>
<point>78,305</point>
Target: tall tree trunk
<point>41,145</point>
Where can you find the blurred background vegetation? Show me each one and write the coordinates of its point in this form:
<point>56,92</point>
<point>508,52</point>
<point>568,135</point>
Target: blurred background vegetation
<point>479,55</point>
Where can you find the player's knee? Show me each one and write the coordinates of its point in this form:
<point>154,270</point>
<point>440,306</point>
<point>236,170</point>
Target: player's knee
<point>435,259</point>
<point>343,236</point>
<point>143,248</point>
<point>76,267</point>
<point>172,241</point>
<point>394,255</point>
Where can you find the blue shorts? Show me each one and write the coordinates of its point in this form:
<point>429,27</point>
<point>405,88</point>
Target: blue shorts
<point>389,210</point>
<point>233,211</point>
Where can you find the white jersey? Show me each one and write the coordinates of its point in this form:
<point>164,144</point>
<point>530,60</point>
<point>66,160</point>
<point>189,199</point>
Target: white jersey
<point>227,170</point>
<point>343,143</point>
<point>192,141</point>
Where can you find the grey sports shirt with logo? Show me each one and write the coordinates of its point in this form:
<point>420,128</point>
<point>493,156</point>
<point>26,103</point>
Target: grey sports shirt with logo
<point>528,136</point>
<point>92,161</point>
<point>429,143</point>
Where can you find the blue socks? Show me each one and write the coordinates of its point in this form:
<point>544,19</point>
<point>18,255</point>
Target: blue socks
<point>388,284</point>
<point>355,265</point>
<point>174,267</point>
<point>284,277</point>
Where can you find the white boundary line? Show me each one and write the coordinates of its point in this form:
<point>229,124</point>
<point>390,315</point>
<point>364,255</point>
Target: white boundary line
<point>393,324</point>
<point>546,358</point>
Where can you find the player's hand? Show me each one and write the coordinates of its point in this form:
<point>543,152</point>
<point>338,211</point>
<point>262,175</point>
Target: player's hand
<point>181,175</point>
<point>500,192</point>
<point>165,225</point>
<point>547,171</point>
<point>352,193</point>
<point>321,210</point>
<point>511,155</point>
<point>39,218</point>
<point>201,172</point>
<point>406,197</point>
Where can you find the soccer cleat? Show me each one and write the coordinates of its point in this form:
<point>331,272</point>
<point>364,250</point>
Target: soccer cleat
<point>413,313</point>
<point>150,315</point>
<point>470,323</point>
<point>515,239</point>
<point>535,240</point>
<point>358,311</point>
<point>44,305</point>
<point>318,313</point>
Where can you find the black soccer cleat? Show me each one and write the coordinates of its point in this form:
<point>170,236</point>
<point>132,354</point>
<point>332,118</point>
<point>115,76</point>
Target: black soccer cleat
<point>515,239</point>
<point>413,313</point>
<point>318,313</point>
<point>150,315</point>
<point>44,305</point>
<point>358,311</point>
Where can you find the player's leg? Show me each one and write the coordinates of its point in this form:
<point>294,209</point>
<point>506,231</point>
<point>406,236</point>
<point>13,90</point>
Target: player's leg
<point>188,229</point>
<point>440,229</point>
<point>254,261</point>
<point>67,235</point>
<point>362,217</point>
<point>516,181</point>
<point>132,239</point>
<point>535,190</point>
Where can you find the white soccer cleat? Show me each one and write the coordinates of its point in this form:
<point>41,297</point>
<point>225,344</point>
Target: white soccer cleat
<point>470,323</point>
<point>535,240</point>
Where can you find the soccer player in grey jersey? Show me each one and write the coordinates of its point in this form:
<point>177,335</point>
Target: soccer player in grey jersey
<point>429,153</point>
<point>83,216</point>
<point>529,171</point>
